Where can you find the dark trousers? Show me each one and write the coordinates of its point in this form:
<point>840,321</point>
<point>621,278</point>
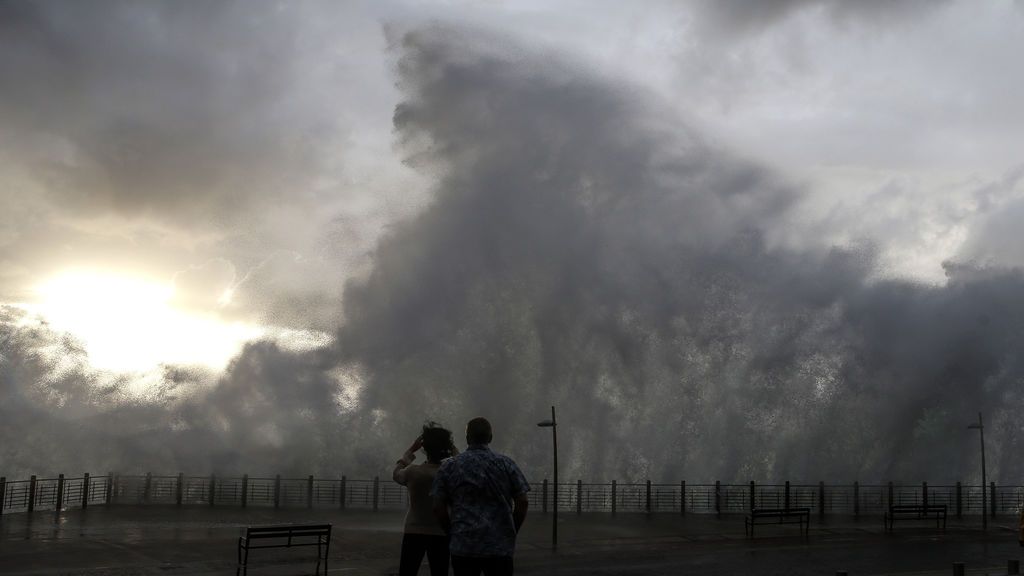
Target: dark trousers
<point>488,566</point>
<point>413,548</point>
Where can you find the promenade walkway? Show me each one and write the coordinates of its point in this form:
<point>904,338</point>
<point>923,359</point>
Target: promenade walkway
<point>171,541</point>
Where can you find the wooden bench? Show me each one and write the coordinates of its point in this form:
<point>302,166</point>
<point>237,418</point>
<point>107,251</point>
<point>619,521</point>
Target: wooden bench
<point>801,516</point>
<point>285,536</point>
<point>938,511</point>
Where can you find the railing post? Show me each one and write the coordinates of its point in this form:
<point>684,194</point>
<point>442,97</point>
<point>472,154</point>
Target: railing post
<point>3,493</point>
<point>110,488</point>
<point>309,492</point>
<point>245,490</point>
<point>785,496</point>
<point>376,492</point>
<point>682,498</point>
<point>277,491</point>
<point>752,494</point>
<point>85,491</point>
<point>856,498</point>
<point>890,493</point>
<point>821,499</point>
<point>544,497</point>
<point>147,487</point>
<point>60,493</point>
<point>615,500</point>
<point>579,497</point>
<point>924,494</point>
<point>32,493</point>
<point>992,498</point>
<point>959,501</point>
<point>179,489</point>
<point>718,498</point>
<point>648,497</point>
<point>213,489</point>
<point>344,484</point>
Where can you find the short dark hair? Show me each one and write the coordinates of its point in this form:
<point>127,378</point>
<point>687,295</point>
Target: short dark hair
<point>437,441</point>
<point>478,431</point>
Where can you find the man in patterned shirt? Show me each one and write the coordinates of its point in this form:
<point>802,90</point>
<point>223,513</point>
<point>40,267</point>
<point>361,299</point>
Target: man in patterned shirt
<point>480,501</point>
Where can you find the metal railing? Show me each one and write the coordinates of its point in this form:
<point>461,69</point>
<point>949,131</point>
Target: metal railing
<point>855,499</point>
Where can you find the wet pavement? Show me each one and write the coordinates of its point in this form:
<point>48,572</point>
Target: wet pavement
<point>144,541</point>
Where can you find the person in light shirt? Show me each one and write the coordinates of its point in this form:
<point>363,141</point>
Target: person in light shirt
<point>423,533</point>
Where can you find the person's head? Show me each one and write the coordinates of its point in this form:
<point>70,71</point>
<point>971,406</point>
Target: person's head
<point>437,442</point>
<point>478,431</point>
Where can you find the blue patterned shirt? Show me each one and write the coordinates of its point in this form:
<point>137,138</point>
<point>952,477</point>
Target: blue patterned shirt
<point>479,486</point>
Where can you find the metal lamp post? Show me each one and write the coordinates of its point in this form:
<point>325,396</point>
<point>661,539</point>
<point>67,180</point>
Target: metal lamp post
<point>553,424</point>
<point>980,427</point>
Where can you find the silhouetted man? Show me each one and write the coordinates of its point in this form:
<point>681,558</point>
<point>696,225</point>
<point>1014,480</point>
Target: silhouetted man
<point>480,501</point>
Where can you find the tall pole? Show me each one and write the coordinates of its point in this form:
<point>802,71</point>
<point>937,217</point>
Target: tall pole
<point>984,482</point>
<point>554,444</point>
<point>980,427</point>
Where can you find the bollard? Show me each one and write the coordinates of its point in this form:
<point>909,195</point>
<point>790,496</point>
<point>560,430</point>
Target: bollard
<point>579,497</point>
<point>992,499</point>
<point>60,493</point>
<point>213,489</point>
<point>147,487</point>
<point>277,491</point>
<point>856,498</point>
<point>682,498</point>
<point>718,498</point>
<point>958,569</point>
<point>959,502</point>
<point>245,490</point>
<point>85,491</point>
<point>32,493</point>
<point>309,492</point>
<point>821,499</point>
<point>1013,567</point>
<point>614,498</point>
<point>544,497</point>
<point>343,491</point>
<point>179,490</point>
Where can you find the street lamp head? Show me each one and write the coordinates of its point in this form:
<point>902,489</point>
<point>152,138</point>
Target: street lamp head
<point>546,424</point>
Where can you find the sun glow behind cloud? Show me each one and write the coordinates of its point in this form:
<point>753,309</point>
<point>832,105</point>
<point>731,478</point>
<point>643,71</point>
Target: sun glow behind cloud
<point>127,323</point>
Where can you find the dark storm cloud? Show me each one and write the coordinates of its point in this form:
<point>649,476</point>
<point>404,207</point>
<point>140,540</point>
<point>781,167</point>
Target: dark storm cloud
<point>753,15</point>
<point>186,111</point>
<point>273,411</point>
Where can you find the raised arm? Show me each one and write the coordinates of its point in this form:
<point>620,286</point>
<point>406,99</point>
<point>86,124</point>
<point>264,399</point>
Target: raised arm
<point>398,474</point>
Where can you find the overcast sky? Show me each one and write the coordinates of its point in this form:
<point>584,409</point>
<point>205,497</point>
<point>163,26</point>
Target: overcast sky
<point>249,146</point>
<point>249,156</point>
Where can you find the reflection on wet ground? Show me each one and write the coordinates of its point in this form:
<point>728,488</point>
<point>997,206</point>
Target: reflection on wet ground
<point>202,540</point>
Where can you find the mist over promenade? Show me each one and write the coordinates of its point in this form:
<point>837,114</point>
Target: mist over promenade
<point>201,541</point>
